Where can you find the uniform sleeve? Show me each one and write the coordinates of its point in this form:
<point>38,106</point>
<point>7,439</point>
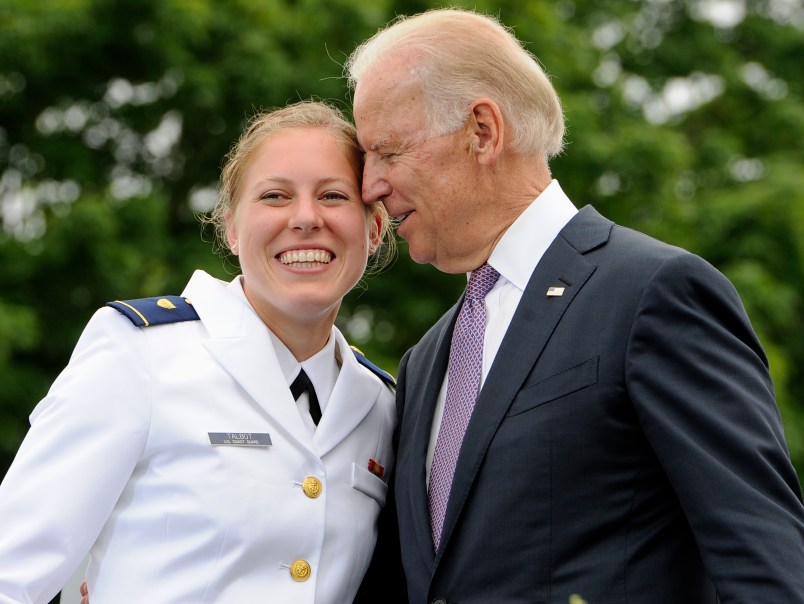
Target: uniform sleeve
<point>700,383</point>
<point>85,439</point>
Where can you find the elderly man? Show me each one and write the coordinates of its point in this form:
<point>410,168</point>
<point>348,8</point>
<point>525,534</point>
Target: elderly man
<point>596,416</point>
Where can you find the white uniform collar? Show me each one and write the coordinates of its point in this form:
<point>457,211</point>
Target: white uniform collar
<point>322,368</point>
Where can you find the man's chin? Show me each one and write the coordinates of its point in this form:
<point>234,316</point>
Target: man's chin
<point>418,255</point>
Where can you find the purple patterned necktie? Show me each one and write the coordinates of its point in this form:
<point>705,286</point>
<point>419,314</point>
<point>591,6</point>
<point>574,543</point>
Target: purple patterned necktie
<point>464,372</point>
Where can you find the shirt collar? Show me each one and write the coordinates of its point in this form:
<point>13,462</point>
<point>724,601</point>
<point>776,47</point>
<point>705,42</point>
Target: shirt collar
<point>524,243</point>
<point>322,368</point>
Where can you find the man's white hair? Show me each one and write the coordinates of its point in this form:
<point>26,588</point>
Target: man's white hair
<point>461,56</point>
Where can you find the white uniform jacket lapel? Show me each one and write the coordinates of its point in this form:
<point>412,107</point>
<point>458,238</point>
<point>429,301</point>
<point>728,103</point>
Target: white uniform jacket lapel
<point>239,341</point>
<point>356,391</point>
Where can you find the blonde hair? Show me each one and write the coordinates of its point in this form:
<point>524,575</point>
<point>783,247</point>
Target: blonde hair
<point>462,55</point>
<point>265,124</point>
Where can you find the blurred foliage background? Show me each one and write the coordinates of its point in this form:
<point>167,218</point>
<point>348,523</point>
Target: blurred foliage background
<point>685,121</point>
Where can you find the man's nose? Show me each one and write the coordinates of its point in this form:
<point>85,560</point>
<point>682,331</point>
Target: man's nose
<point>375,185</point>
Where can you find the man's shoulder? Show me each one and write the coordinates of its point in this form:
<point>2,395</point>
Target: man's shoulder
<point>428,343</point>
<point>595,231</point>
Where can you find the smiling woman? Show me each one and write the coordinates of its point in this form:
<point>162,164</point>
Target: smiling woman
<point>195,475</point>
<point>301,232</point>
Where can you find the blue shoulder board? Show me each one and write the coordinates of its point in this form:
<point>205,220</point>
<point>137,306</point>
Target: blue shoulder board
<point>156,311</point>
<point>383,375</point>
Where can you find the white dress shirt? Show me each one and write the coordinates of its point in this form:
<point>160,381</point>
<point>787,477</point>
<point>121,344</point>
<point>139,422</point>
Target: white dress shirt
<point>515,257</point>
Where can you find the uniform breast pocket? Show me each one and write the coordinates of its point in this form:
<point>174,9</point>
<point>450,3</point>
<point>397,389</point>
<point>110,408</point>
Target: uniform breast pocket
<point>555,386</point>
<point>369,484</point>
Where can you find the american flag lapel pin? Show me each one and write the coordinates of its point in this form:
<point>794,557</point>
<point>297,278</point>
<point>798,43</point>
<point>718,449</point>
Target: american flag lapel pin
<point>375,468</point>
<point>555,291</point>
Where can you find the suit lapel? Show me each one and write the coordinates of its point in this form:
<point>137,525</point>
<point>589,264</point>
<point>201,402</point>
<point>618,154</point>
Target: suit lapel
<point>240,343</point>
<point>433,380</point>
<point>535,319</point>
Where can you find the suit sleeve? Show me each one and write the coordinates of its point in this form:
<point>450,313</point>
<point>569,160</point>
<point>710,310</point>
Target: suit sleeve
<point>700,383</point>
<point>85,438</point>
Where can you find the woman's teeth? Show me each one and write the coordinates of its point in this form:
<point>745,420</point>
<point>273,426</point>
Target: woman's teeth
<point>306,258</point>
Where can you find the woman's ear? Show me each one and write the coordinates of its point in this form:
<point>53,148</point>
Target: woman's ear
<point>375,233</point>
<point>231,233</point>
<point>487,130</point>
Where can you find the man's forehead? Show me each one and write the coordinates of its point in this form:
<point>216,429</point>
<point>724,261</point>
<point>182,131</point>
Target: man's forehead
<point>384,119</point>
<point>386,86</point>
<point>389,131</point>
<point>378,125</point>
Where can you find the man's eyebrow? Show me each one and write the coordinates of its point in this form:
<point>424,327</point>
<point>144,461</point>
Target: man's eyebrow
<point>377,145</point>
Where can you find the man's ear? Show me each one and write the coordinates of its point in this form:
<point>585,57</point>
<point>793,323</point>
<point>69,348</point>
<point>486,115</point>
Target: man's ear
<point>487,130</point>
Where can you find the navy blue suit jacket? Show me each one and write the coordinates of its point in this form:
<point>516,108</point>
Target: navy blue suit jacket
<point>626,445</point>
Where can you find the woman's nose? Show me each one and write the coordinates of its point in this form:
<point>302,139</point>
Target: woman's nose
<point>306,214</point>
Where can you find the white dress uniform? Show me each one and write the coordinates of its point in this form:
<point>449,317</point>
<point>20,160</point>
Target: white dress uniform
<point>120,462</point>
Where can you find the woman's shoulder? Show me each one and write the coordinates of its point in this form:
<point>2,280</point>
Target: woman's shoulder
<point>157,310</point>
<point>384,376</point>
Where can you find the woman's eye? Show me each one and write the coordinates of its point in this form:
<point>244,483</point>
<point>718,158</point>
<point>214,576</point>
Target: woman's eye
<point>335,195</point>
<point>271,196</point>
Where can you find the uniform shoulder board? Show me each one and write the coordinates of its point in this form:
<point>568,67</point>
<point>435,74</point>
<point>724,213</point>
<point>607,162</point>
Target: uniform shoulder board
<point>383,375</point>
<point>158,310</point>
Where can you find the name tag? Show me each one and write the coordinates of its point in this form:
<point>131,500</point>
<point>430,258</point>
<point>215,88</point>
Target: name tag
<point>240,439</point>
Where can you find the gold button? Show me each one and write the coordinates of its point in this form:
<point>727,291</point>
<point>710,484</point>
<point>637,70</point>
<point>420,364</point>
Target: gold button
<point>312,487</point>
<point>300,570</point>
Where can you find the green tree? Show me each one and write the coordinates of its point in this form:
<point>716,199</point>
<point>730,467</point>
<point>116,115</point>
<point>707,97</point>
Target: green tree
<point>684,122</point>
